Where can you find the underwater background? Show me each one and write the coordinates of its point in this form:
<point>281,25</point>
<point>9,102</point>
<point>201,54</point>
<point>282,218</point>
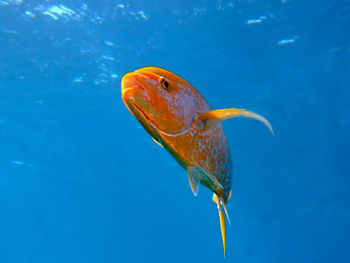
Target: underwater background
<point>82,181</point>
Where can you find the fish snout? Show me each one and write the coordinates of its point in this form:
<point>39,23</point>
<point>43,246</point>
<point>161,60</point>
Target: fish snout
<point>129,80</point>
<point>130,84</point>
<point>135,90</point>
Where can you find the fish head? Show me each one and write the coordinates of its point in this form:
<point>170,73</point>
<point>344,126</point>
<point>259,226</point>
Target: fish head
<point>160,100</point>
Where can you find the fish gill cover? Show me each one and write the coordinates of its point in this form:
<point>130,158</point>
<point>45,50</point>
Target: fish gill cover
<point>81,181</point>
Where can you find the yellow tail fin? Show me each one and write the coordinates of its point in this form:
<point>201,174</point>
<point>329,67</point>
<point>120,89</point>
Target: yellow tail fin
<point>222,226</point>
<point>222,210</point>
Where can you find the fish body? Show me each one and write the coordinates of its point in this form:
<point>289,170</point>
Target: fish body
<point>179,119</point>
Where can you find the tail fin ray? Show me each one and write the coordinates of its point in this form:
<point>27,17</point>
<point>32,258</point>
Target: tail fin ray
<point>222,212</point>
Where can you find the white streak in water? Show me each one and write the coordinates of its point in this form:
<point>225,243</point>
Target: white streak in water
<point>256,21</point>
<point>109,43</point>
<point>287,41</point>
<point>56,11</point>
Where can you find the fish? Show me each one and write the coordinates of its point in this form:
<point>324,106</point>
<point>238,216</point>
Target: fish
<point>179,119</point>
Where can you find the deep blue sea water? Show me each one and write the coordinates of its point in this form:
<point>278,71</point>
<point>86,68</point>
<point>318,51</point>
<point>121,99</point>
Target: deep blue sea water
<point>81,181</point>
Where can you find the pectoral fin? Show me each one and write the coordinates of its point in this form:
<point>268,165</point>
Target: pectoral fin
<point>212,118</point>
<point>157,142</point>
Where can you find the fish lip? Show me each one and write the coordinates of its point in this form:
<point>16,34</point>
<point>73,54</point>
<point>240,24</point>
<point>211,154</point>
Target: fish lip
<point>130,88</point>
<point>133,84</point>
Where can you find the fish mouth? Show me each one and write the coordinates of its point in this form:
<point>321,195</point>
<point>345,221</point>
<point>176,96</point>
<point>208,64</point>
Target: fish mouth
<point>129,88</point>
<point>128,95</point>
<point>133,86</point>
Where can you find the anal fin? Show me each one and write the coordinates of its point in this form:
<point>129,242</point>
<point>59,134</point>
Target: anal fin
<point>197,174</point>
<point>193,178</point>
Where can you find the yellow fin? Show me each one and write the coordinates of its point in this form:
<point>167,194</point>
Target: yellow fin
<point>212,118</point>
<point>223,231</point>
<point>222,210</point>
<point>216,199</point>
<point>157,142</point>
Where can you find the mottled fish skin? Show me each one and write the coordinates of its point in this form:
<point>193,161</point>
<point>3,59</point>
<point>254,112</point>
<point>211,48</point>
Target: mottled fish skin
<point>174,112</point>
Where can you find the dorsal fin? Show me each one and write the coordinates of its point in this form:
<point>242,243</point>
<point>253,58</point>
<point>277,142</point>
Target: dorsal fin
<point>212,118</point>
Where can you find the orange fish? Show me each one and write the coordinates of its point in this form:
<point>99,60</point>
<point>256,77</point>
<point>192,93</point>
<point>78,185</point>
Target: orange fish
<point>179,119</point>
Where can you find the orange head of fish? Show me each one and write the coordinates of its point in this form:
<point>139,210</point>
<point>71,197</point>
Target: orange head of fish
<point>159,99</point>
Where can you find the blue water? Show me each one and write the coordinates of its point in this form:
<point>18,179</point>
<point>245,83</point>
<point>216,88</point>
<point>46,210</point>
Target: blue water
<point>81,181</point>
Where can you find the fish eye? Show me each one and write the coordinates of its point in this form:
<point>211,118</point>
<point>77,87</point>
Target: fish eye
<point>164,83</point>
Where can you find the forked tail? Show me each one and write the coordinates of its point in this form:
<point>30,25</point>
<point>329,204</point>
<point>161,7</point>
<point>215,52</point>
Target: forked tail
<point>222,211</point>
